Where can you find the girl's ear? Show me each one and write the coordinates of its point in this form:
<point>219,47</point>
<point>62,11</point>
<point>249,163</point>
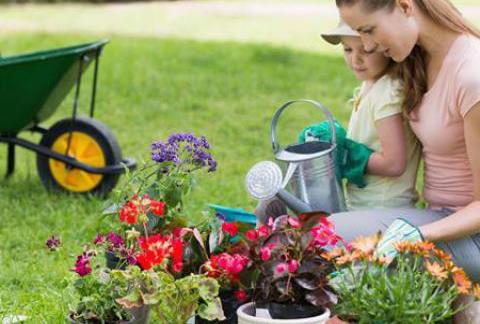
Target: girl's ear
<point>405,6</point>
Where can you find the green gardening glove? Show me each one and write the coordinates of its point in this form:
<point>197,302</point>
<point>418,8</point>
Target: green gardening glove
<point>400,230</point>
<point>321,132</point>
<point>351,157</point>
<point>355,164</point>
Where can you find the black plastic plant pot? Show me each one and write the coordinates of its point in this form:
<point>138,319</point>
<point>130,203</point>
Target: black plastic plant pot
<point>71,320</point>
<point>293,311</point>
<point>229,305</point>
<point>114,262</point>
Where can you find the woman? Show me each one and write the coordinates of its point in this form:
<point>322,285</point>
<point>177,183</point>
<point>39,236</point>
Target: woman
<point>440,56</point>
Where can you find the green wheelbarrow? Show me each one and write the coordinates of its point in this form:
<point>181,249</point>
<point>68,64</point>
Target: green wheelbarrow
<point>77,154</point>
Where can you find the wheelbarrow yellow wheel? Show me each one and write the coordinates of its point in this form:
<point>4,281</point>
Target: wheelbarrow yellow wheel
<point>86,140</point>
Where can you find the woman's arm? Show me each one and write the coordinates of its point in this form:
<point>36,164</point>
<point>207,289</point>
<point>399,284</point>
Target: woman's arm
<point>391,161</point>
<point>466,221</point>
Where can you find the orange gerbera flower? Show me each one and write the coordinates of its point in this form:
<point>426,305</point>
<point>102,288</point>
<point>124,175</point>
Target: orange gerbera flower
<point>436,270</point>
<point>366,245</point>
<point>333,254</point>
<point>461,280</point>
<point>403,246</point>
<point>423,248</point>
<point>442,255</point>
<point>347,258</point>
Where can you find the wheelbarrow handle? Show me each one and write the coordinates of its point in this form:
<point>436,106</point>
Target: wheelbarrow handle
<point>273,129</point>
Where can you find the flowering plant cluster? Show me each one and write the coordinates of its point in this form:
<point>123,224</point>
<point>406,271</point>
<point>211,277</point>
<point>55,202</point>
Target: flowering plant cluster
<point>98,289</point>
<point>229,262</point>
<point>291,270</point>
<point>418,286</point>
<point>154,258</point>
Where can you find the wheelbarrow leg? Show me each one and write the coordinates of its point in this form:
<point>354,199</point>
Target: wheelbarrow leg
<point>10,159</point>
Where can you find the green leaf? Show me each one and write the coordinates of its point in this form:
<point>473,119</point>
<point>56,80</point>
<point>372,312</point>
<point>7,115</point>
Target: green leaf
<point>212,310</point>
<point>208,288</point>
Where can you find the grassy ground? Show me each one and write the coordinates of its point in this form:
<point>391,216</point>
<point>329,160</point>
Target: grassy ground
<point>148,89</point>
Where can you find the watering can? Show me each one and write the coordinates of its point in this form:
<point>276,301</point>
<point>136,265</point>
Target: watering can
<point>311,182</point>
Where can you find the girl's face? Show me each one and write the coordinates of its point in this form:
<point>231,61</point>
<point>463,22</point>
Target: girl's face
<point>391,32</point>
<point>367,66</point>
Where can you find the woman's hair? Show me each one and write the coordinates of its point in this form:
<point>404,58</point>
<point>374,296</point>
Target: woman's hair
<point>412,71</point>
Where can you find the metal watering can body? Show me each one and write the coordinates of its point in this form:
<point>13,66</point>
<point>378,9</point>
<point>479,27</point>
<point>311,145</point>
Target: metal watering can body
<point>310,182</point>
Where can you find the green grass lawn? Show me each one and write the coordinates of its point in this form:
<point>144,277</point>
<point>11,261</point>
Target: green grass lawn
<point>290,23</point>
<point>149,88</point>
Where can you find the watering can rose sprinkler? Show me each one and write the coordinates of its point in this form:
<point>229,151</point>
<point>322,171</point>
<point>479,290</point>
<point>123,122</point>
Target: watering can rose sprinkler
<point>311,182</point>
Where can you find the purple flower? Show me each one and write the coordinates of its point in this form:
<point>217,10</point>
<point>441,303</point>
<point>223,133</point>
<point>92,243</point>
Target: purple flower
<point>184,146</point>
<point>99,239</point>
<point>53,243</point>
<point>115,240</point>
<point>82,265</point>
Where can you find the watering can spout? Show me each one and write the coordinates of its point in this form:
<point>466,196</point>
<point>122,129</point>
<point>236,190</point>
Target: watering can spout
<point>295,204</point>
<point>264,181</point>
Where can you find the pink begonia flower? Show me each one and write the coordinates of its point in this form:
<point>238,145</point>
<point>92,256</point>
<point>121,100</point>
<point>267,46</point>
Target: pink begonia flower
<point>252,235</point>
<point>294,222</point>
<point>293,266</point>
<point>232,263</point>
<point>265,253</point>
<point>281,268</point>
<point>263,231</point>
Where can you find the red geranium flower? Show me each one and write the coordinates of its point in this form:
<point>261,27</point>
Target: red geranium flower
<point>230,228</point>
<point>157,207</point>
<point>177,255</point>
<point>129,213</point>
<point>241,295</point>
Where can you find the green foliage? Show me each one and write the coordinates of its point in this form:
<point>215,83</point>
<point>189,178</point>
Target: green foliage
<point>98,293</point>
<point>420,285</point>
<point>174,300</point>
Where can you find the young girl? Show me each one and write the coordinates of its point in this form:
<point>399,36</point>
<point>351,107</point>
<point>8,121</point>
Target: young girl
<point>377,122</point>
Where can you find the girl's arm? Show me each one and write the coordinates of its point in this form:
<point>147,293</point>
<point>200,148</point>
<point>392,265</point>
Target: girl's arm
<point>466,221</point>
<point>391,161</point>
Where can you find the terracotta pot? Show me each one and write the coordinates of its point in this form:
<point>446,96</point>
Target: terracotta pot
<point>246,315</point>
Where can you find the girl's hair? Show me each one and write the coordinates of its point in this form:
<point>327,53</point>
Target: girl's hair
<point>412,71</point>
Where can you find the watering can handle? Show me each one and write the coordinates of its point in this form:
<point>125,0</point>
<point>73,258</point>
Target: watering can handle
<point>276,146</point>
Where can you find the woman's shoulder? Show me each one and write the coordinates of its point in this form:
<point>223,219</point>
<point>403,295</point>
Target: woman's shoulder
<point>466,57</point>
<point>466,72</point>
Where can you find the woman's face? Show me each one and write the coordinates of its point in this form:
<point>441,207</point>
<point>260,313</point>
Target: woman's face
<point>367,66</point>
<point>391,32</point>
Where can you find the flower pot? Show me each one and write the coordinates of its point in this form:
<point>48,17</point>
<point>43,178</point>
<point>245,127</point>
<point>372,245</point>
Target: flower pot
<point>140,315</point>
<point>114,262</point>
<point>246,315</point>
<point>288,311</point>
<point>71,320</point>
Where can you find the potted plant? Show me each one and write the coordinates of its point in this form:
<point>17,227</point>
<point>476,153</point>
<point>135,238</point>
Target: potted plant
<point>97,292</point>
<point>229,264</point>
<point>291,283</point>
<point>149,249</point>
<point>163,272</point>
<point>419,285</point>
